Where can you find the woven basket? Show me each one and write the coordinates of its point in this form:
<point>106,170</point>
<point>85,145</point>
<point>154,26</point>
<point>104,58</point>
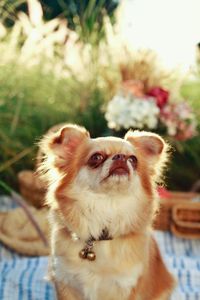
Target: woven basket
<point>186,220</point>
<point>179,214</point>
<point>31,188</point>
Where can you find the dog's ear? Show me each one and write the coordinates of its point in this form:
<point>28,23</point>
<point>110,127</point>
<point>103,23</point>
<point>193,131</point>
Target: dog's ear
<point>148,143</point>
<point>69,138</point>
<point>58,149</point>
<point>151,147</point>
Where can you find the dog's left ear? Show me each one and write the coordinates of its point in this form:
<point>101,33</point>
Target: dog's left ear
<point>149,145</point>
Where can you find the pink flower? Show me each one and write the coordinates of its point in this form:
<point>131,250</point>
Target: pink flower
<point>160,95</point>
<point>179,120</point>
<point>185,132</point>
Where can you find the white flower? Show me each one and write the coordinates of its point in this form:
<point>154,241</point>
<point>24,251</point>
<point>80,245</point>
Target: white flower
<point>125,112</point>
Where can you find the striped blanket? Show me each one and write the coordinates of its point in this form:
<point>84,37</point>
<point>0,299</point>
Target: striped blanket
<point>23,278</point>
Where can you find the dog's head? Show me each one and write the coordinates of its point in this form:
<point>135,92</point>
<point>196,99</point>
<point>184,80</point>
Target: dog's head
<point>106,176</point>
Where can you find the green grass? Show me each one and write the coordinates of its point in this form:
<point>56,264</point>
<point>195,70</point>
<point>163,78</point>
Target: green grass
<point>31,102</point>
<point>191,90</point>
<point>33,99</point>
<point>184,169</point>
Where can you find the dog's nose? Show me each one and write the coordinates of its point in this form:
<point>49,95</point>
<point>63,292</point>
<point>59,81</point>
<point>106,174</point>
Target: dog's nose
<point>119,157</point>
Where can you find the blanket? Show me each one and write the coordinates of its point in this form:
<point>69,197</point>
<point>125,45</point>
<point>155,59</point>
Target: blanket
<point>25,278</point>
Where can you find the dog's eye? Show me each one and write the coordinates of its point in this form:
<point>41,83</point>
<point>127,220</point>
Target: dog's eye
<point>96,159</point>
<point>133,160</point>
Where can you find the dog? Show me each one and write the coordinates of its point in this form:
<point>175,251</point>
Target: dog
<point>102,198</point>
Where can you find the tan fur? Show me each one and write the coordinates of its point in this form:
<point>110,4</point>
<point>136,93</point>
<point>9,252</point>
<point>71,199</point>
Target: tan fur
<point>84,200</point>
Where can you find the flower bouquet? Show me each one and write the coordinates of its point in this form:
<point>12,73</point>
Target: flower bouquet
<point>136,107</point>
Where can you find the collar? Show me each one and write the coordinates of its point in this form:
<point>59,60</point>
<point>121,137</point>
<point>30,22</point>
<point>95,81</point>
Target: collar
<point>88,252</point>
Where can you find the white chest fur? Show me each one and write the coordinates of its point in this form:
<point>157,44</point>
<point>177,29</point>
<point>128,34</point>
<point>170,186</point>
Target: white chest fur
<point>116,213</point>
<point>93,285</point>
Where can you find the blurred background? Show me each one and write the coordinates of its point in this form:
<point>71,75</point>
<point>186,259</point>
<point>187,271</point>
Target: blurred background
<point>106,65</point>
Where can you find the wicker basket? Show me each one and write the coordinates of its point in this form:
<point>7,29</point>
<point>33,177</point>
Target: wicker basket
<point>180,214</point>
<point>186,220</point>
<point>31,188</point>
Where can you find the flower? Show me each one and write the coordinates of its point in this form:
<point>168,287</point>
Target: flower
<point>126,112</point>
<point>179,120</point>
<point>130,108</point>
<point>160,95</point>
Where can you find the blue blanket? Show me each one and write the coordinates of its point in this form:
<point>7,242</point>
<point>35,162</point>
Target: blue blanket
<point>23,278</point>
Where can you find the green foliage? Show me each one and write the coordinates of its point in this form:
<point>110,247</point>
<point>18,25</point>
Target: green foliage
<point>39,90</point>
<point>85,17</point>
<point>184,169</point>
<point>191,91</point>
<point>9,9</point>
<point>31,102</point>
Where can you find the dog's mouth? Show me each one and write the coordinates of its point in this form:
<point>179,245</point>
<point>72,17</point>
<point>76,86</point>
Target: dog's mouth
<point>119,168</point>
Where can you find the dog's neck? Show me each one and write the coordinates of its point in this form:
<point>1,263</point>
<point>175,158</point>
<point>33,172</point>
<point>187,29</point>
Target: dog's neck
<point>104,236</point>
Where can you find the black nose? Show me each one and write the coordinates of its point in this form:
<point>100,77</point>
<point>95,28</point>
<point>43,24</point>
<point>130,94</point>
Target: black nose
<point>120,157</point>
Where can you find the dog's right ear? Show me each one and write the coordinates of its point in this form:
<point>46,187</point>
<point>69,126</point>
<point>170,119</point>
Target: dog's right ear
<point>69,138</point>
<point>63,141</point>
<point>58,148</point>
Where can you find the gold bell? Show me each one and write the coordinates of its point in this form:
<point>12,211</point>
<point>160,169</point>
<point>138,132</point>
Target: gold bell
<point>83,254</point>
<point>91,256</point>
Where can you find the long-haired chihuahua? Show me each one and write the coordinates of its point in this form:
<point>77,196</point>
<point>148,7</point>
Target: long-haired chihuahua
<point>102,197</point>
